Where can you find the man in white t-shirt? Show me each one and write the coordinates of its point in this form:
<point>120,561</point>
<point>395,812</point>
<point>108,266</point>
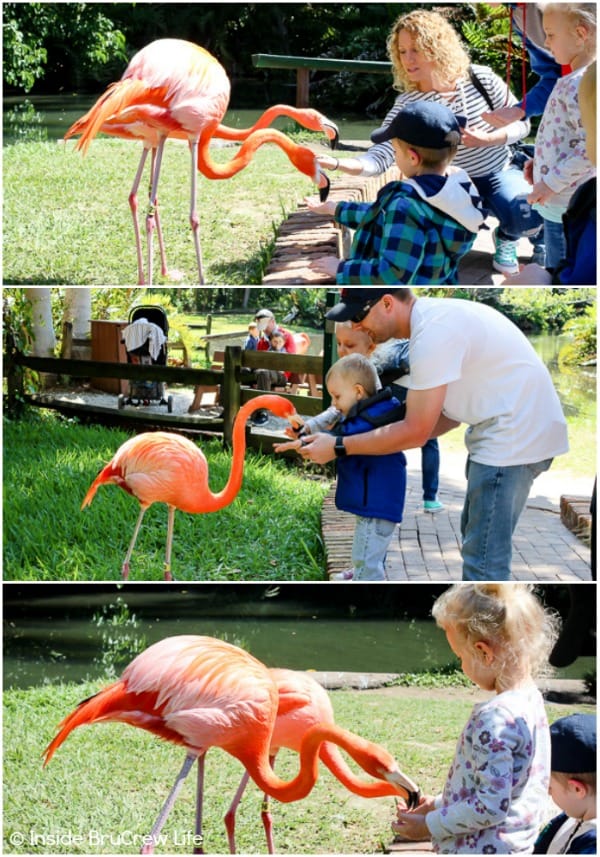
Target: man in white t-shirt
<point>469,364</point>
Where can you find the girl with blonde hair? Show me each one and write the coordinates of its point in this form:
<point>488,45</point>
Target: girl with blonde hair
<point>495,794</point>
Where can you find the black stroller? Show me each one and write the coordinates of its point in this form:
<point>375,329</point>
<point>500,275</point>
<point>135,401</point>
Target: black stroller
<point>145,340</point>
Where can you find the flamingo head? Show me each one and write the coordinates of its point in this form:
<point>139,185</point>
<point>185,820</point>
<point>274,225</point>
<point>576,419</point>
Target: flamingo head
<point>317,122</point>
<point>405,786</point>
<point>278,405</point>
<point>305,160</point>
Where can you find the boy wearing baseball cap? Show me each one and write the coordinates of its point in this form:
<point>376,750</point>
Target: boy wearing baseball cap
<point>572,787</point>
<point>418,228</point>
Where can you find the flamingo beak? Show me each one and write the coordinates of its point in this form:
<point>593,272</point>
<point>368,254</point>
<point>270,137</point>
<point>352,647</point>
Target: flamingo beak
<point>324,185</point>
<point>332,133</point>
<point>406,785</point>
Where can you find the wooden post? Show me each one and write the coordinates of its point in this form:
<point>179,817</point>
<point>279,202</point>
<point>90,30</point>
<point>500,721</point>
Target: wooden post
<point>329,346</point>
<point>14,378</point>
<point>230,391</point>
<point>302,86</point>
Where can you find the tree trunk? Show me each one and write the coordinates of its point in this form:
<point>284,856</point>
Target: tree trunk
<point>44,340</point>
<point>78,312</point>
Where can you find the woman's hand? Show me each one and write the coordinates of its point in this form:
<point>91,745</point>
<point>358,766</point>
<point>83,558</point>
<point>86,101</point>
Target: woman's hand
<point>503,116</point>
<point>528,171</point>
<point>478,139</point>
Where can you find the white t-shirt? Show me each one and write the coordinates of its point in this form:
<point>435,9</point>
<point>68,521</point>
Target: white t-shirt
<point>496,382</point>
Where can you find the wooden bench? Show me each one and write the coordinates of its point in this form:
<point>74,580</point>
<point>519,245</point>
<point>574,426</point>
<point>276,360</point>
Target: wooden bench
<point>304,65</point>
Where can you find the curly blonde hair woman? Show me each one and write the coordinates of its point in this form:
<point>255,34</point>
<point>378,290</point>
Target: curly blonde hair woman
<point>435,38</point>
<point>430,63</point>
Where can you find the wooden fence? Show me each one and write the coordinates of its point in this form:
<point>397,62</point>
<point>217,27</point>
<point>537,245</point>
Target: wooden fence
<point>235,385</point>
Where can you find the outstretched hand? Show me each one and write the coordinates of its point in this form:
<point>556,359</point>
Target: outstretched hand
<point>314,204</point>
<point>410,824</point>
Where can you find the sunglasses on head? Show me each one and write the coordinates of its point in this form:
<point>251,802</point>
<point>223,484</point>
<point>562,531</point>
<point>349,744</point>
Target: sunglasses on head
<point>364,312</point>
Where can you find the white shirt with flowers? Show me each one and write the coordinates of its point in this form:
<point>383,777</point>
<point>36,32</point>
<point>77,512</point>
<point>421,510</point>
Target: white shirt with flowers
<point>496,792</point>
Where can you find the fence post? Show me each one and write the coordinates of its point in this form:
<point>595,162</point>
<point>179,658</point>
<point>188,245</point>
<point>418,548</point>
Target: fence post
<point>231,395</point>
<point>329,346</point>
<point>14,378</point>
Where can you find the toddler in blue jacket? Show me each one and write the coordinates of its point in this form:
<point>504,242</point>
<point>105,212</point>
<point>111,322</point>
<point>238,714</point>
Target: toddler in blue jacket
<point>372,487</point>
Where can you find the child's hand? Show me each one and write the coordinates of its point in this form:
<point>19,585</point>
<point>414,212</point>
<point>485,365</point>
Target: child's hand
<point>326,265</point>
<point>540,193</point>
<point>411,826</point>
<point>314,204</point>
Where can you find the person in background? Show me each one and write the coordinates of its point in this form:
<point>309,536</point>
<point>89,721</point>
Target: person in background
<point>251,341</point>
<point>494,797</point>
<point>527,22</point>
<point>267,378</point>
<point>572,787</point>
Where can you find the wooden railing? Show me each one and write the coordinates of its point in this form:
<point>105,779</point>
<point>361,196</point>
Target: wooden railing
<point>235,389</point>
<point>303,65</point>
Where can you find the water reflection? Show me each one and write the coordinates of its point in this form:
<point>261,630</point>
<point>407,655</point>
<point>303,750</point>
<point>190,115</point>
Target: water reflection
<point>57,632</point>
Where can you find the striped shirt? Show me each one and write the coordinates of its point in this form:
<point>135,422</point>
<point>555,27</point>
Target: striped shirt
<point>464,100</point>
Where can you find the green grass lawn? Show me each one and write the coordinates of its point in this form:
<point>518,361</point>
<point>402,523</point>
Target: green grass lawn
<point>270,532</point>
<point>103,788</point>
<point>67,218</point>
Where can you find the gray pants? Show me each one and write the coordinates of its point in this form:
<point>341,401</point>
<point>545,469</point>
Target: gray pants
<point>372,537</point>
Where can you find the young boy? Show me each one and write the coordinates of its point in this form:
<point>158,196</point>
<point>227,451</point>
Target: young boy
<point>572,787</point>
<point>418,228</point>
<point>372,487</point>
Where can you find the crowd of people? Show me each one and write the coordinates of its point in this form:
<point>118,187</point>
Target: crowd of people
<point>452,133</point>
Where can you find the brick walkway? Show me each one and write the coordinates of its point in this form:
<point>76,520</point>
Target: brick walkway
<point>426,547</point>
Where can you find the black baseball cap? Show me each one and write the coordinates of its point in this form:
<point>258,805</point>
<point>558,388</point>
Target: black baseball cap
<point>573,740</point>
<point>424,123</point>
<point>355,304</point>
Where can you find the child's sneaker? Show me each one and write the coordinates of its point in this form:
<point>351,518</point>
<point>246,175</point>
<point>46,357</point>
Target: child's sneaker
<point>432,506</point>
<point>505,258</point>
<point>342,575</point>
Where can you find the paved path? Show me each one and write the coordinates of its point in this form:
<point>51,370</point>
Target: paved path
<point>426,547</point>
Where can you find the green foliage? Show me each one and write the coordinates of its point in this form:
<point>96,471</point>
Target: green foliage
<point>120,640</point>
<point>583,348</point>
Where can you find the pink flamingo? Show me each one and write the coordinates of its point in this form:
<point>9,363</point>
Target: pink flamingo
<point>201,692</point>
<point>160,467</point>
<point>174,88</point>
<point>303,704</point>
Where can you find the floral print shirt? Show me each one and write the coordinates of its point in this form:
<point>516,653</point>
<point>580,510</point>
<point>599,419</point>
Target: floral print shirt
<point>496,792</point>
<point>560,158</point>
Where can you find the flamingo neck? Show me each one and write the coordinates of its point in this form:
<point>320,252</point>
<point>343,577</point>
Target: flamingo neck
<point>212,170</point>
<point>332,758</point>
<point>296,789</point>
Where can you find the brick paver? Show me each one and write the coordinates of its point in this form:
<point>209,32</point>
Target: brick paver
<point>426,547</point>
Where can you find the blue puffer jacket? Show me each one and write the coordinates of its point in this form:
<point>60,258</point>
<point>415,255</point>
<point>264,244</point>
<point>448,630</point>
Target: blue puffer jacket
<point>372,486</point>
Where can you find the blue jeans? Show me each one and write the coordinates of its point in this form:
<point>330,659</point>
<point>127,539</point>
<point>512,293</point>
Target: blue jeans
<point>496,496</point>
<point>505,195</point>
<point>556,243</point>
<point>430,467</point>
<point>372,537</point>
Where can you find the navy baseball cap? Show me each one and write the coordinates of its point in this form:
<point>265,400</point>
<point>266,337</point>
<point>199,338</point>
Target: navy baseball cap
<point>424,123</point>
<point>573,741</point>
<point>355,304</point>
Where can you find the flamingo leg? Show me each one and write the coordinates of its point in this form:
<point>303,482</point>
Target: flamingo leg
<point>152,204</point>
<point>159,235</point>
<point>199,837</point>
<point>230,815</point>
<point>152,838</point>
<point>133,205</point>
<point>194,219</point>
<point>267,818</point>
<point>169,546</point>
<point>125,567</point>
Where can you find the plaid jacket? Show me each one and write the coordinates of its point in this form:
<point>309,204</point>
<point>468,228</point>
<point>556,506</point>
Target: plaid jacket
<point>401,239</point>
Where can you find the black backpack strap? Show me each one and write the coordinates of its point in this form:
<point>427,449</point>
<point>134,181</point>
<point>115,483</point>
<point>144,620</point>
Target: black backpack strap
<point>478,84</point>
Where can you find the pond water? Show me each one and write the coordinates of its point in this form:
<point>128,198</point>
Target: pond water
<point>47,117</point>
<point>56,633</point>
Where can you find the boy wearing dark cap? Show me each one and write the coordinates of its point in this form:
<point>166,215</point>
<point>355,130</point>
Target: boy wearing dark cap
<point>418,229</point>
<point>572,787</point>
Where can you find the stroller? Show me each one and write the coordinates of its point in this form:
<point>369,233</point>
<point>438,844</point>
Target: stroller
<point>145,340</point>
